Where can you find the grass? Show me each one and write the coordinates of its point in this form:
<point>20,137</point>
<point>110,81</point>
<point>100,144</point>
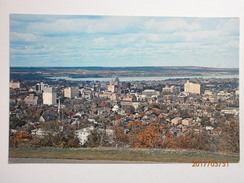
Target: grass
<point>121,154</point>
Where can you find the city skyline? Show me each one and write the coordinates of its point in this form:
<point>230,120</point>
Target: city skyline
<point>122,41</point>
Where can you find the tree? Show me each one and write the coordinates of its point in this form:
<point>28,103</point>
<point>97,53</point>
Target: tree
<point>56,134</point>
<point>19,138</point>
<point>164,108</point>
<point>120,137</point>
<point>134,124</point>
<point>105,122</point>
<point>184,113</point>
<point>149,137</point>
<point>169,140</point>
<point>140,108</point>
<point>188,140</point>
<point>93,140</point>
<point>104,104</point>
<point>37,114</point>
<point>129,110</point>
<point>230,137</point>
<point>157,111</point>
<point>117,117</point>
<point>71,113</point>
<point>153,105</point>
<point>16,122</point>
<point>142,114</point>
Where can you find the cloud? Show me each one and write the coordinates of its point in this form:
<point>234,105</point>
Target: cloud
<point>99,41</point>
<point>26,37</point>
<point>229,26</point>
<point>85,25</point>
<point>112,24</point>
<point>231,44</point>
<point>125,40</point>
<point>170,25</point>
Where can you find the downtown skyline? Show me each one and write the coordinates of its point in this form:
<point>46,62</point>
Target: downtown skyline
<point>122,41</point>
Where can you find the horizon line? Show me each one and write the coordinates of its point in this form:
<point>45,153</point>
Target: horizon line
<point>120,66</point>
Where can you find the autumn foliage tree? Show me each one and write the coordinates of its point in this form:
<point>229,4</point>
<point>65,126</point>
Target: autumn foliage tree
<point>134,124</point>
<point>104,104</point>
<point>117,117</point>
<point>19,138</point>
<point>169,141</point>
<point>148,138</point>
<point>37,114</point>
<point>191,140</point>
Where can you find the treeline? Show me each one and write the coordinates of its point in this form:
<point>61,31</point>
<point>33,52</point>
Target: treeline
<point>140,136</point>
<point>144,68</point>
<point>137,135</point>
<point>27,76</point>
<point>51,134</point>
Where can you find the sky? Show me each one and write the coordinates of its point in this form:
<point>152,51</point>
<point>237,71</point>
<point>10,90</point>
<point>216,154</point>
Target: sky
<point>114,41</point>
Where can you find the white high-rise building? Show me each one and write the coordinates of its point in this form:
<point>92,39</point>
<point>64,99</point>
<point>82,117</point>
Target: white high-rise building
<point>71,92</point>
<point>112,88</point>
<point>193,88</point>
<point>114,85</point>
<point>49,96</point>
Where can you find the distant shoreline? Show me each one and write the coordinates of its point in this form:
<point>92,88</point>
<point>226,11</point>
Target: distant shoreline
<point>143,78</point>
<point>27,73</point>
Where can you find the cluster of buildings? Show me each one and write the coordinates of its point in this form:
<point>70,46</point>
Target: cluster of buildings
<point>181,104</point>
<point>38,94</point>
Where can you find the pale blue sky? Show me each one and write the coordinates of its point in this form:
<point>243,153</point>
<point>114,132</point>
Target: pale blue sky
<point>48,40</point>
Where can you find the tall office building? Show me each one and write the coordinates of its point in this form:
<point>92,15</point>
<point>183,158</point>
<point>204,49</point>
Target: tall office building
<point>115,81</point>
<point>71,92</point>
<point>114,85</point>
<point>39,87</point>
<point>49,96</point>
<point>112,88</point>
<point>193,88</point>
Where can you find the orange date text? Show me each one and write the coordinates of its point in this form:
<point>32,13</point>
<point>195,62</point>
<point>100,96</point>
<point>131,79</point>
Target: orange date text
<point>210,164</point>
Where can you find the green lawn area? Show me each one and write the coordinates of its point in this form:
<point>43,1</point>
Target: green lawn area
<point>122,154</point>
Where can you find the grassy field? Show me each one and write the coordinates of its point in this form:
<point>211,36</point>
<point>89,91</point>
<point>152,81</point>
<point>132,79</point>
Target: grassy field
<point>120,154</point>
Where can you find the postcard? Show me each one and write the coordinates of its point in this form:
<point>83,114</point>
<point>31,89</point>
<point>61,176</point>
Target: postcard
<point>124,89</point>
